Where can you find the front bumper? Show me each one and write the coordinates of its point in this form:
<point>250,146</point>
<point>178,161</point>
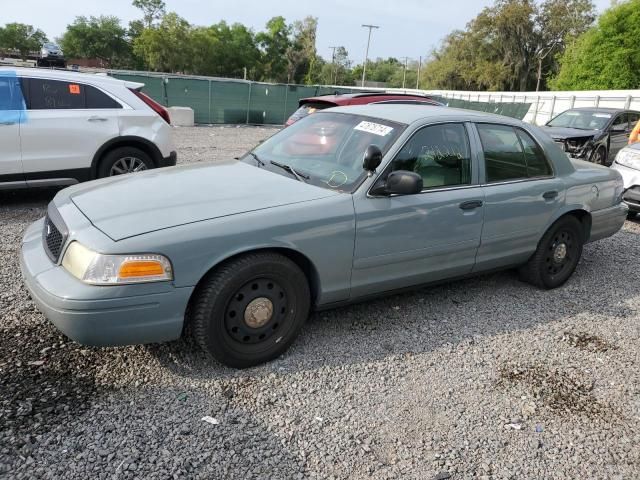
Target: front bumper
<point>169,161</point>
<point>608,221</point>
<point>96,315</point>
<point>631,179</point>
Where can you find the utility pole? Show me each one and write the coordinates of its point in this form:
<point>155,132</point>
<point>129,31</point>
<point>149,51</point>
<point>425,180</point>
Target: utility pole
<point>366,54</point>
<point>404,71</point>
<point>418,77</point>
<point>334,70</point>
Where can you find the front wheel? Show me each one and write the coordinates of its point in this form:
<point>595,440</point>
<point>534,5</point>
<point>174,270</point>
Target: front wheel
<point>251,309</point>
<point>600,156</point>
<point>557,255</point>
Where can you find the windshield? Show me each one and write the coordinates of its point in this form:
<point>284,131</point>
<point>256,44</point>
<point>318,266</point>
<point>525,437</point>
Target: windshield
<point>326,149</point>
<point>581,119</point>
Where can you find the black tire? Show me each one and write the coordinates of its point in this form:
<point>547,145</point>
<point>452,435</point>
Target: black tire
<point>109,163</point>
<point>599,156</point>
<point>631,215</point>
<point>548,268</point>
<point>224,301</point>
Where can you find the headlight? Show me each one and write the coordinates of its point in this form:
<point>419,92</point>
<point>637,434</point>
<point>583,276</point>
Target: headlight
<point>97,269</point>
<point>629,158</point>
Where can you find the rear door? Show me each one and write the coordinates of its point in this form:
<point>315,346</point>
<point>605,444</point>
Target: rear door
<point>521,195</point>
<point>68,122</point>
<point>11,109</point>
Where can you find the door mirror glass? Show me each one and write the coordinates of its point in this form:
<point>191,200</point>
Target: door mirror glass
<point>400,182</point>
<point>372,158</point>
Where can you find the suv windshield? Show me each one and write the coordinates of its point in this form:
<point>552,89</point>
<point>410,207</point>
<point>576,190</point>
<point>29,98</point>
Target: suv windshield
<point>326,149</point>
<point>581,119</point>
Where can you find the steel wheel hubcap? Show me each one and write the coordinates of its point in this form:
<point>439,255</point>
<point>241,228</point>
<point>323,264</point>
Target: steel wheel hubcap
<point>127,165</point>
<point>560,252</point>
<point>258,312</point>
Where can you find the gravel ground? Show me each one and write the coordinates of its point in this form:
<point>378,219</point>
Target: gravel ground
<point>483,378</point>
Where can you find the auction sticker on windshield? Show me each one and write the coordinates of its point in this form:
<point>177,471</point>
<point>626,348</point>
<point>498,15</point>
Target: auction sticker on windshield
<point>602,115</point>
<point>375,128</point>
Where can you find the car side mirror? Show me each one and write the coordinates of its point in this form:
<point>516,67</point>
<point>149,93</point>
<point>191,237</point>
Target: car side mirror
<point>372,158</point>
<point>618,128</point>
<point>400,182</point>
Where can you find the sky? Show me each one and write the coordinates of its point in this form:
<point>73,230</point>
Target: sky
<point>408,28</point>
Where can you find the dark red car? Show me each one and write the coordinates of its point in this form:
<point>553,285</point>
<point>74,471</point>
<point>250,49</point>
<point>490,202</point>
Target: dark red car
<point>311,104</point>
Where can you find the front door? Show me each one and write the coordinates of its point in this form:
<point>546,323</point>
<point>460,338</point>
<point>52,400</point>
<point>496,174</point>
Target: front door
<point>618,135</point>
<point>414,239</point>
<point>521,195</point>
<point>68,123</point>
<point>11,109</point>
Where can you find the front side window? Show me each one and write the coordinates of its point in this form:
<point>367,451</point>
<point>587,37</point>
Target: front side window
<point>58,95</point>
<point>326,149</point>
<point>440,154</point>
<point>511,154</point>
<point>621,122</point>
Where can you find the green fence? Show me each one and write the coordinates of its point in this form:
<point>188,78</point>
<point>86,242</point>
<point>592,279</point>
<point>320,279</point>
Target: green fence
<point>216,100</point>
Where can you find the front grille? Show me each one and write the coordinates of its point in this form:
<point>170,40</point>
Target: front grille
<point>53,236</point>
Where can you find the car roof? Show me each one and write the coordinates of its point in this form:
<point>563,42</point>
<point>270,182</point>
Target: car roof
<point>67,75</point>
<point>409,114</point>
<point>600,109</point>
<point>339,98</point>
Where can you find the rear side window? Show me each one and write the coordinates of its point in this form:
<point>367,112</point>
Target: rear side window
<point>59,95</point>
<point>511,154</point>
<point>307,109</point>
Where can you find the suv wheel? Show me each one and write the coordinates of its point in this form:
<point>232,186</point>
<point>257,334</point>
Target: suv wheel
<point>124,160</point>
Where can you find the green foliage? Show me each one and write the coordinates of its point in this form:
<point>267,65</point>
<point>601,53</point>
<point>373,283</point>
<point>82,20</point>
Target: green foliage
<point>509,46</point>
<point>152,10</point>
<point>21,37</point>
<point>274,43</point>
<point>606,56</point>
<point>97,37</point>
<point>166,47</point>
<point>301,53</point>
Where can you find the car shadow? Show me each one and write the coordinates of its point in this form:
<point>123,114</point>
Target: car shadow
<point>433,317</point>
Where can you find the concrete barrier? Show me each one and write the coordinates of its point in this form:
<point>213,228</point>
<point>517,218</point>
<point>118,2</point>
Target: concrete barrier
<point>181,116</point>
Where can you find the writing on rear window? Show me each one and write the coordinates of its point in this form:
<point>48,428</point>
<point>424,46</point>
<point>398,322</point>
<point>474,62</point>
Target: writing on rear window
<point>375,128</point>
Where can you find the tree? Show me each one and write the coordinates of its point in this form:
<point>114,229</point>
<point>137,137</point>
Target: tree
<point>607,55</point>
<point>21,37</point>
<point>301,53</point>
<point>97,37</point>
<point>167,47</point>
<point>509,46</point>
<point>152,10</point>
<point>274,43</point>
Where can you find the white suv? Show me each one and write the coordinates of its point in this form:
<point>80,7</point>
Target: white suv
<point>61,128</point>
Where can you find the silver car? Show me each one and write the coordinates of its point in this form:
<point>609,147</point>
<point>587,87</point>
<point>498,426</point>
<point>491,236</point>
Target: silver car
<point>627,162</point>
<point>344,205</point>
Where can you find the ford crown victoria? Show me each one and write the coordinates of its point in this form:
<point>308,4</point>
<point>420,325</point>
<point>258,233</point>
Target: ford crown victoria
<point>343,205</point>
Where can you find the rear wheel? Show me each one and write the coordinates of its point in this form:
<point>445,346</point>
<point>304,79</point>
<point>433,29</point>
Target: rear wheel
<point>123,160</point>
<point>557,254</point>
<point>251,309</point>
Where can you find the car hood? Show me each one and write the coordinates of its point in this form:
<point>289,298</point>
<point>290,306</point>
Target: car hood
<point>129,205</point>
<point>562,133</point>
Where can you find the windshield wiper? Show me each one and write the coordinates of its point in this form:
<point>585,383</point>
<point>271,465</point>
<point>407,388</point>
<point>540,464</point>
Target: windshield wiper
<point>260,162</point>
<point>291,170</point>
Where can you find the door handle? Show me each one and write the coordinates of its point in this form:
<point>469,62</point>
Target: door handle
<point>550,195</point>
<point>97,119</point>
<point>471,204</point>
